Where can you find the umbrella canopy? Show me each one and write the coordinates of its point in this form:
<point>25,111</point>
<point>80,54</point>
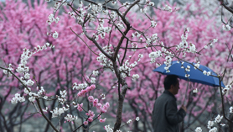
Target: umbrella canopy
<point>177,68</point>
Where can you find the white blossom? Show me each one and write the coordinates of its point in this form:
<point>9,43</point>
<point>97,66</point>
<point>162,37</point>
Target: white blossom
<point>153,24</point>
<point>218,119</point>
<point>208,73</point>
<point>30,82</point>
<point>95,73</point>
<point>195,90</point>
<point>31,99</point>
<point>70,118</point>
<point>196,65</point>
<point>7,72</point>
<point>27,76</point>
<point>198,129</point>
<point>213,129</point>
<point>57,112</point>
<point>225,91</point>
<point>93,80</point>
<point>187,75</point>
<point>168,8</point>
<point>155,54</point>
<point>55,35</point>
<point>210,124</point>
<point>226,27</point>
<point>135,77</point>
<point>108,128</point>
<point>17,99</point>
<point>231,109</point>
<point>129,121</point>
<point>204,72</point>
<point>26,90</point>
<point>137,118</point>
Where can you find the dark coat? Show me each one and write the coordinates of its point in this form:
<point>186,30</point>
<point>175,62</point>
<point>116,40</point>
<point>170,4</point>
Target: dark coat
<point>165,116</point>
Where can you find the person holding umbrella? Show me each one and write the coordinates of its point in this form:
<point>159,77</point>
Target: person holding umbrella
<point>165,116</point>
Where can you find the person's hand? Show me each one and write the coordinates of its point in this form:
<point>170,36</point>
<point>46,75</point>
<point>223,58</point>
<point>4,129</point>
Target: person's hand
<point>184,108</point>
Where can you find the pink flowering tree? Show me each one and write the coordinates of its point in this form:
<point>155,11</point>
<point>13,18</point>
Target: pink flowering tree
<point>105,50</point>
<point>48,79</point>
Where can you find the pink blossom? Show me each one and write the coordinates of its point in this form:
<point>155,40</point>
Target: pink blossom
<point>90,119</point>
<point>85,123</point>
<point>103,110</point>
<point>102,120</point>
<point>95,102</point>
<point>99,105</point>
<point>91,98</point>
<point>99,116</point>
<point>80,107</point>
<point>92,87</point>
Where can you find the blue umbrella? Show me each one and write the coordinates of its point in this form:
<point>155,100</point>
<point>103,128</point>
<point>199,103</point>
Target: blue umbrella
<point>177,68</point>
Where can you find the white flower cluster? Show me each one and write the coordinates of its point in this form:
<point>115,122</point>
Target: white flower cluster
<point>231,109</point>
<point>23,69</point>
<point>218,119</point>
<point>58,111</point>
<point>101,30</point>
<point>144,10</point>
<point>33,96</point>
<point>214,129</point>
<point>129,121</point>
<point>168,8</point>
<point>195,90</point>
<point>17,99</point>
<point>210,125</point>
<point>55,35</point>
<point>197,65</point>
<point>41,91</point>
<point>149,3</point>
<point>79,86</point>
<point>7,72</point>
<point>126,68</point>
<point>93,80</point>
<point>184,37</point>
<point>192,48</point>
<point>226,89</point>
<point>154,55</point>
<point>62,97</point>
<point>226,27</point>
<point>211,43</point>
<point>198,129</point>
<point>120,25</point>
<point>52,19</point>
<point>56,6</point>
<point>96,8</point>
<point>135,77</point>
<point>137,34</point>
<point>134,46</point>
<point>109,129</point>
<point>167,62</point>
<point>113,15</point>
<point>104,61</point>
<point>95,73</point>
<point>103,96</point>
<point>45,110</point>
<point>70,118</point>
<point>152,39</point>
<point>207,73</point>
<point>153,24</point>
<point>126,4</point>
